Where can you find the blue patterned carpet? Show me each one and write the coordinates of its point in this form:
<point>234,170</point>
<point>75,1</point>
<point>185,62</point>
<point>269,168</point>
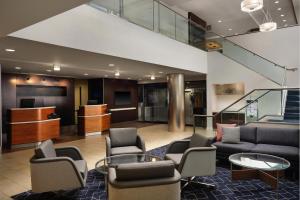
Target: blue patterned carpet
<point>226,189</point>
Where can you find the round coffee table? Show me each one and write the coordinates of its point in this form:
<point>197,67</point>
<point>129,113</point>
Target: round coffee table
<point>112,161</point>
<point>265,167</point>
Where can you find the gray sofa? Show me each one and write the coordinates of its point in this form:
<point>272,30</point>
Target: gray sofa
<point>282,142</point>
<point>148,181</point>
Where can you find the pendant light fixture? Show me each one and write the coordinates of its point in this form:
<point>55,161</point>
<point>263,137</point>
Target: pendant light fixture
<point>249,6</point>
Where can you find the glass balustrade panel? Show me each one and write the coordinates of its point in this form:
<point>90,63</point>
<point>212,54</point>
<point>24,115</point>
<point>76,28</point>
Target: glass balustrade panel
<point>167,21</point>
<point>182,29</point>
<point>139,12</point>
<point>110,6</point>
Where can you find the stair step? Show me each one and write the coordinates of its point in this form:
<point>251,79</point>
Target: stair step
<point>291,116</point>
<point>292,103</point>
<point>292,108</point>
<point>293,98</point>
<point>294,92</point>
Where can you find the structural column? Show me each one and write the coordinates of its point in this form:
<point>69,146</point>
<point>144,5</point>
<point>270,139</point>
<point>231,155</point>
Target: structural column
<point>176,102</point>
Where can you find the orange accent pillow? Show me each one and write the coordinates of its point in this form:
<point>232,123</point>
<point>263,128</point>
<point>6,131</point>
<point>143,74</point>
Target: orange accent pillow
<point>219,132</point>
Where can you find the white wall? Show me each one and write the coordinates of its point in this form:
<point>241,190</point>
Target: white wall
<point>222,70</point>
<point>281,46</point>
<point>87,28</point>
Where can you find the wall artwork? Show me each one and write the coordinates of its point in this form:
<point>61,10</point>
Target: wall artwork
<point>230,89</point>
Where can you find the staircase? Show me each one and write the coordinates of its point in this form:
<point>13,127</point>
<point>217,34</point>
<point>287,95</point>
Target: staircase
<point>292,106</point>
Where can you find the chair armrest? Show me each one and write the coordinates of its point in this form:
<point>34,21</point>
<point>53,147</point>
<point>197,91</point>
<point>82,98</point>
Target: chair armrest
<point>108,146</point>
<point>197,158</point>
<point>71,152</point>
<point>141,144</point>
<point>178,146</point>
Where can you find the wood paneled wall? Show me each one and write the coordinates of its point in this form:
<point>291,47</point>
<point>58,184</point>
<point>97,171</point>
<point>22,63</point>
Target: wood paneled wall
<point>104,90</point>
<point>64,104</point>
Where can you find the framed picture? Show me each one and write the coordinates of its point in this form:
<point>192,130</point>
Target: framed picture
<point>230,89</point>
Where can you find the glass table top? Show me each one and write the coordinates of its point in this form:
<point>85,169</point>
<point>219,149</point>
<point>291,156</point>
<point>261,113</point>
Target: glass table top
<point>259,161</point>
<point>112,161</point>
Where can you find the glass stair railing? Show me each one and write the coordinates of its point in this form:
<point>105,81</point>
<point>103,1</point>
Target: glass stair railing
<point>259,105</point>
<point>157,17</point>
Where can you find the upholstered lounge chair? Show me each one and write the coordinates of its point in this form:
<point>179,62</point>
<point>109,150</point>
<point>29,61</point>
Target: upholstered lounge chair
<point>193,157</point>
<point>147,181</point>
<point>54,169</point>
<point>124,141</point>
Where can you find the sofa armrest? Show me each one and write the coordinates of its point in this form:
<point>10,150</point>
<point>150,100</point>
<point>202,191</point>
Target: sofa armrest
<point>108,146</point>
<point>141,144</point>
<point>53,174</point>
<point>178,146</point>
<point>198,161</point>
<point>71,152</point>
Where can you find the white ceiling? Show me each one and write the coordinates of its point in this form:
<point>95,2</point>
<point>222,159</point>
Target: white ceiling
<point>16,14</point>
<point>35,57</point>
<point>229,12</point>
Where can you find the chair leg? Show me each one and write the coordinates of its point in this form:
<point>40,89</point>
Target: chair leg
<point>190,182</point>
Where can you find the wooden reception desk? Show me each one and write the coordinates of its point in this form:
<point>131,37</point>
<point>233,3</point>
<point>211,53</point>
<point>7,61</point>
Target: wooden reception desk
<point>31,125</point>
<point>93,119</point>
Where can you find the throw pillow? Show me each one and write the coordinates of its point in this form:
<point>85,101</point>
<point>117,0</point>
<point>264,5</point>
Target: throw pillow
<point>219,132</point>
<point>231,135</point>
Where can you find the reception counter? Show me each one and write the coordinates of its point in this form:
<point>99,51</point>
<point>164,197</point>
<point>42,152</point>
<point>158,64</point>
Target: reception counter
<point>93,119</point>
<point>32,125</point>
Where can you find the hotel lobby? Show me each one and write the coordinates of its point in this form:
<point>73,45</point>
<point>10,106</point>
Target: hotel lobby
<point>147,99</point>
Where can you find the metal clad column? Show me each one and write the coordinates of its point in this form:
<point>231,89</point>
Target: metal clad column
<point>176,102</point>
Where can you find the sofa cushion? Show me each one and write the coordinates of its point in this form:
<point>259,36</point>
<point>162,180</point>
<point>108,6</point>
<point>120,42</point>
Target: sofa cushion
<point>219,132</point>
<point>45,150</point>
<point>82,167</point>
<point>287,152</point>
<point>248,134</point>
<point>231,135</point>
<point>125,150</point>
<point>234,148</point>
<point>175,157</point>
<point>145,170</point>
<point>123,137</point>
<point>278,136</point>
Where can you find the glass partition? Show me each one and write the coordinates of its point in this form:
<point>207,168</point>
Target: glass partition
<point>182,29</point>
<point>139,12</point>
<point>167,21</point>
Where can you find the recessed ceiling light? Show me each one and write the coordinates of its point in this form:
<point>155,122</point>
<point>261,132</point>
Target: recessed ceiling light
<point>128,78</point>
<point>161,72</point>
<point>18,68</point>
<point>56,68</point>
<point>117,73</point>
<point>86,74</point>
<point>49,70</point>
<point>230,29</point>
<point>152,77</point>
<point>278,8</point>
<point>284,20</point>
<point>220,21</point>
<point>282,15</point>
<point>105,75</point>
<point>111,65</point>
<point>10,50</point>
<point>276,2</point>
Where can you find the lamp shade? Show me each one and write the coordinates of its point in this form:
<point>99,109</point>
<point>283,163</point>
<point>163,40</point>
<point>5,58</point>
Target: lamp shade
<point>268,26</point>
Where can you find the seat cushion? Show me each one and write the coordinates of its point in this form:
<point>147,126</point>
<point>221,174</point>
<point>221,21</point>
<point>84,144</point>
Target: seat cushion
<point>175,157</point>
<point>123,137</point>
<point>248,134</point>
<point>287,152</point>
<point>125,150</point>
<point>278,136</point>
<point>45,150</point>
<point>82,167</point>
<point>234,148</point>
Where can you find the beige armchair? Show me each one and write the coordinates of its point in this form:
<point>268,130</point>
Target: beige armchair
<point>147,181</point>
<point>124,141</point>
<point>54,169</point>
<point>193,157</point>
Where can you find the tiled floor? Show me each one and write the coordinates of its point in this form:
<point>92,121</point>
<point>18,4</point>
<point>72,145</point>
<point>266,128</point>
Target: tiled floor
<point>14,166</point>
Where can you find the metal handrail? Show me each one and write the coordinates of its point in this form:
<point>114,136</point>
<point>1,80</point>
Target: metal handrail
<point>223,111</point>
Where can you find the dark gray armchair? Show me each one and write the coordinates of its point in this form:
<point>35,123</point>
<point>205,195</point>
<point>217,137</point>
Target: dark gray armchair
<point>54,169</point>
<point>124,141</point>
<point>193,157</point>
